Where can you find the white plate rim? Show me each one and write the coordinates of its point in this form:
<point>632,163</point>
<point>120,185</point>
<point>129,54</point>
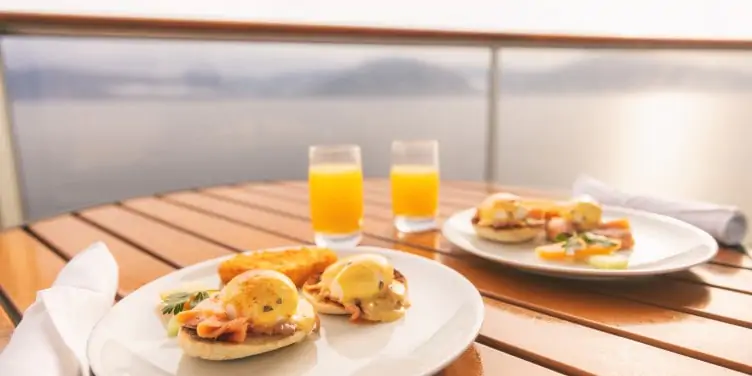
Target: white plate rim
<point>472,333</point>
<point>553,269</point>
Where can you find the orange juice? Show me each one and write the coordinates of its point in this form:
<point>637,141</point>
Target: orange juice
<point>415,191</point>
<point>336,196</point>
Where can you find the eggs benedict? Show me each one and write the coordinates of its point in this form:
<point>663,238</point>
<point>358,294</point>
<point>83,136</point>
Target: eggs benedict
<point>365,286</point>
<point>256,312</point>
<point>502,217</point>
<point>584,213</point>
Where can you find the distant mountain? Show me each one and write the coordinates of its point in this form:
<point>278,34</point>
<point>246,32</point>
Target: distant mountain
<point>382,77</point>
<point>60,82</point>
<point>393,77</point>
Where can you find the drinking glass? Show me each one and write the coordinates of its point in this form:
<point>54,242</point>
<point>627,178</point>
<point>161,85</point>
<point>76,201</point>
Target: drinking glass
<point>415,185</point>
<point>335,182</point>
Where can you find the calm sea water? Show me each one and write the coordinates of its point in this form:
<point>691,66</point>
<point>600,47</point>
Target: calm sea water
<point>76,154</point>
<point>80,153</point>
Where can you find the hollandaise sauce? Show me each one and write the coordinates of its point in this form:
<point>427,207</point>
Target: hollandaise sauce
<point>366,286</point>
<point>257,302</point>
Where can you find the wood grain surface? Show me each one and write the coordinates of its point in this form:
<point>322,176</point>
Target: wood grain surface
<point>6,328</point>
<point>694,322</point>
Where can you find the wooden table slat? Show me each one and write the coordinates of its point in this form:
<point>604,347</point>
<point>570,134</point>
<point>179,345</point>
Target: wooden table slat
<point>734,258</point>
<point>268,220</point>
<point>214,228</point>
<point>598,310</point>
<point>180,248</point>
<point>70,236</point>
<point>565,344</point>
<point>480,360</point>
<point>288,200</point>
<point>732,278</point>
<point>6,328</point>
<point>495,362</point>
<point>526,329</point>
<point>27,267</point>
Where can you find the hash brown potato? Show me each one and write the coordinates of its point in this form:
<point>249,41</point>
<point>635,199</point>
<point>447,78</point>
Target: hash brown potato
<point>298,264</point>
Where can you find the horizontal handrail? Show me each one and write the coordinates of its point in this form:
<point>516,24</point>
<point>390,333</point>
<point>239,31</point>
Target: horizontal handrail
<point>18,23</point>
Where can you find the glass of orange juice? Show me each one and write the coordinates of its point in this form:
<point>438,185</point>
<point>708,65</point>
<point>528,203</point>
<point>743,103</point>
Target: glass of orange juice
<point>335,183</point>
<point>415,185</point>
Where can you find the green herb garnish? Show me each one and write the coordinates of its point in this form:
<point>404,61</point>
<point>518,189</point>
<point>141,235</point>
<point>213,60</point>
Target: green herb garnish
<point>562,237</point>
<point>198,297</point>
<point>175,302</point>
<point>571,245</point>
<point>591,238</point>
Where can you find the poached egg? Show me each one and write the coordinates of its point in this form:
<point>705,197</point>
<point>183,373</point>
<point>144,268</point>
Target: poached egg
<point>500,208</point>
<point>260,301</point>
<point>365,285</point>
<point>266,296</point>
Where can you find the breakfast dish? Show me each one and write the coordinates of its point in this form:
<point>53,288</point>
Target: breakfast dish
<point>502,217</point>
<point>559,227</point>
<point>577,238</point>
<point>436,329</point>
<point>575,227</point>
<point>296,263</point>
<point>256,312</point>
<point>365,286</point>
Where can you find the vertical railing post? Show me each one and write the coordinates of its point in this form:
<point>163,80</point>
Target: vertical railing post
<point>492,116</point>
<point>11,212</point>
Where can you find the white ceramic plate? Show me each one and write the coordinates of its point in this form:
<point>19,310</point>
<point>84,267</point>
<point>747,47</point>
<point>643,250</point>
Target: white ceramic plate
<point>445,317</point>
<point>662,245</point>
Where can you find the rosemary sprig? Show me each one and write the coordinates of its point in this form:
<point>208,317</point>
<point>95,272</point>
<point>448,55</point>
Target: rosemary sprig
<point>564,236</point>
<point>571,245</point>
<point>591,238</point>
<point>175,302</point>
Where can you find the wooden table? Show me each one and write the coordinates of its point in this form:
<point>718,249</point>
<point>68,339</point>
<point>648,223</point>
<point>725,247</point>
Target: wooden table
<point>697,322</point>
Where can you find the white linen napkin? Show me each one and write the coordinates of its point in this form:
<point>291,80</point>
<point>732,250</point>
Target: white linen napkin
<point>51,338</point>
<point>727,224</point>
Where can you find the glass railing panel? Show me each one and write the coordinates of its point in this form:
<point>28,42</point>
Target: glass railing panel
<point>671,123</point>
<point>98,120</point>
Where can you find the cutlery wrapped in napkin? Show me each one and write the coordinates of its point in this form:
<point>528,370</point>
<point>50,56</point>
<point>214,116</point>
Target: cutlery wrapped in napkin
<point>51,338</point>
<point>727,224</point>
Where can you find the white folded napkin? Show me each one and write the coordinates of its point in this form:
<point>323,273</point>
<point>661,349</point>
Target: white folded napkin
<point>51,338</point>
<point>727,224</point>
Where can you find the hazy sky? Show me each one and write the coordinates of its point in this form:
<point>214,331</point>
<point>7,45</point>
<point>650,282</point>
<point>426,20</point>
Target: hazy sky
<point>688,18</point>
<point>666,18</point>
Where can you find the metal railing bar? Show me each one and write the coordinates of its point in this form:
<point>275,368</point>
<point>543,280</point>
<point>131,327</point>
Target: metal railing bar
<point>11,208</point>
<point>111,26</point>
<point>492,116</point>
